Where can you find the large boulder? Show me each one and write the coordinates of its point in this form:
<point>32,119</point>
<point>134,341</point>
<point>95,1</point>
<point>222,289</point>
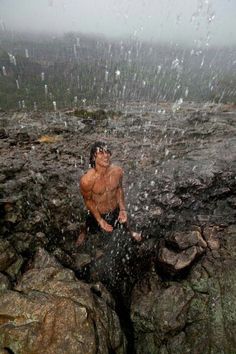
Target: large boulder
<point>50,311</point>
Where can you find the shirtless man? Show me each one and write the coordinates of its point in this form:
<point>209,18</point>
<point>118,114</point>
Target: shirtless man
<point>101,188</point>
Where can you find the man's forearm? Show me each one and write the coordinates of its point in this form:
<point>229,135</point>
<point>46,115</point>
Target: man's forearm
<point>93,209</point>
<point>121,199</point>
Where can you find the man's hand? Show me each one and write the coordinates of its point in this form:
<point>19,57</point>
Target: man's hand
<point>105,226</point>
<point>122,216</point>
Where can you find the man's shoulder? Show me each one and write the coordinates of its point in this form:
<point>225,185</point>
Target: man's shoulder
<point>88,178</point>
<point>117,170</point>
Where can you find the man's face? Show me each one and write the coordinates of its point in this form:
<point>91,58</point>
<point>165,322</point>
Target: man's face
<point>102,157</point>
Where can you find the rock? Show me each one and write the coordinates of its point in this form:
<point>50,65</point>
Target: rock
<point>2,178</point>
<point>158,313</point>
<point>186,239</point>
<point>230,242</point>
<point>7,255</point>
<point>58,313</point>
<point>41,239</point>
<point>43,260</point>
<point>178,182</point>
<point>211,312</point>
<point>4,351</point>
<point>211,236</point>
<point>173,261</point>
<point>177,344</point>
<point>14,268</point>
<point>169,199</point>
<point>22,241</point>
<point>180,249</point>
<point>232,202</point>
<point>3,133</point>
<point>4,282</point>
<point>199,279</point>
<point>82,260</point>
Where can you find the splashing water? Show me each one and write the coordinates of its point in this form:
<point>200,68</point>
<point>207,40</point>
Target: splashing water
<point>117,73</point>
<point>4,71</point>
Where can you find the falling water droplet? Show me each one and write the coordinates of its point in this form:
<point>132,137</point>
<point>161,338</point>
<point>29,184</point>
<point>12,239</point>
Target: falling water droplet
<point>117,72</point>
<point>75,50</point>
<point>106,75</point>
<point>4,71</point>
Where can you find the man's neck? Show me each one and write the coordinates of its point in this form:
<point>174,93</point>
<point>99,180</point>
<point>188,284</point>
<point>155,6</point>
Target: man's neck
<point>101,170</point>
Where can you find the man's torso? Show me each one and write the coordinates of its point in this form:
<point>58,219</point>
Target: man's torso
<point>104,189</point>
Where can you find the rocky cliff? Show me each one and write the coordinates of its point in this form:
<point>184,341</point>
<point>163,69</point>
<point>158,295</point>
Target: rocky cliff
<point>172,293</point>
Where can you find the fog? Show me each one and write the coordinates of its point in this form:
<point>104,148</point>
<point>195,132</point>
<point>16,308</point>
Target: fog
<point>201,22</point>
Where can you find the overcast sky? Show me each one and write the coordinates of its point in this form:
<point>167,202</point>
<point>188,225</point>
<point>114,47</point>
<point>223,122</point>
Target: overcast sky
<point>193,21</point>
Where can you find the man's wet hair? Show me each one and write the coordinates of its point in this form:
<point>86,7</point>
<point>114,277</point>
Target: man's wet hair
<point>97,146</point>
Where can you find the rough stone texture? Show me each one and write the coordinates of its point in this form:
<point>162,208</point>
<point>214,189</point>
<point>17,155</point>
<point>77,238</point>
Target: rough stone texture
<point>7,255</point>
<point>183,240</point>
<point>210,235</point>
<point>49,311</point>
<point>4,282</point>
<point>193,315</point>
<point>180,191</point>
<point>179,250</point>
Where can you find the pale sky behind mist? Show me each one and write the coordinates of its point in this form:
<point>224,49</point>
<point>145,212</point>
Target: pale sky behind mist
<point>190,21</point>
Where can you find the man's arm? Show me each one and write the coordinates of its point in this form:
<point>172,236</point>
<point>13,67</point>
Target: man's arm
<point>86,186</point>
<point>121,199</point>
<point>123,214</point>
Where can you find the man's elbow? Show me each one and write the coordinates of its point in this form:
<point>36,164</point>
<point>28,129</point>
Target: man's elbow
<point>88,203</point>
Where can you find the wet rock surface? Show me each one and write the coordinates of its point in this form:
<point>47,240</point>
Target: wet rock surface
<point>175,291</point>
<point>50,311</point>
<point>192,314</point>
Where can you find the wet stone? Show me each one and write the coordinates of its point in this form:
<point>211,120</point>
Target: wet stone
<point>4,282</point>
<point>7,255</point>
<point>179,185</point>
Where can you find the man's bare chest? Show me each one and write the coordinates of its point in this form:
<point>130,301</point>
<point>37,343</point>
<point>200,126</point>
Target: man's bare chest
<point>105,184</point>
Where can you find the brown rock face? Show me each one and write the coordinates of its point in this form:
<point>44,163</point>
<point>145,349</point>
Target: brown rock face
<point>211,236</point>
<point>158,313</point>
<point>179,175</point>
<point>183,240</point>
<point>52,312</point>
<point>7,255</point>
<point>180,250</point>
<point>192,315</point>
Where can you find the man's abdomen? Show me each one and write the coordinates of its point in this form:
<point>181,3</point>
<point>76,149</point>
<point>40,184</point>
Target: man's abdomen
<point>106,203</point>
